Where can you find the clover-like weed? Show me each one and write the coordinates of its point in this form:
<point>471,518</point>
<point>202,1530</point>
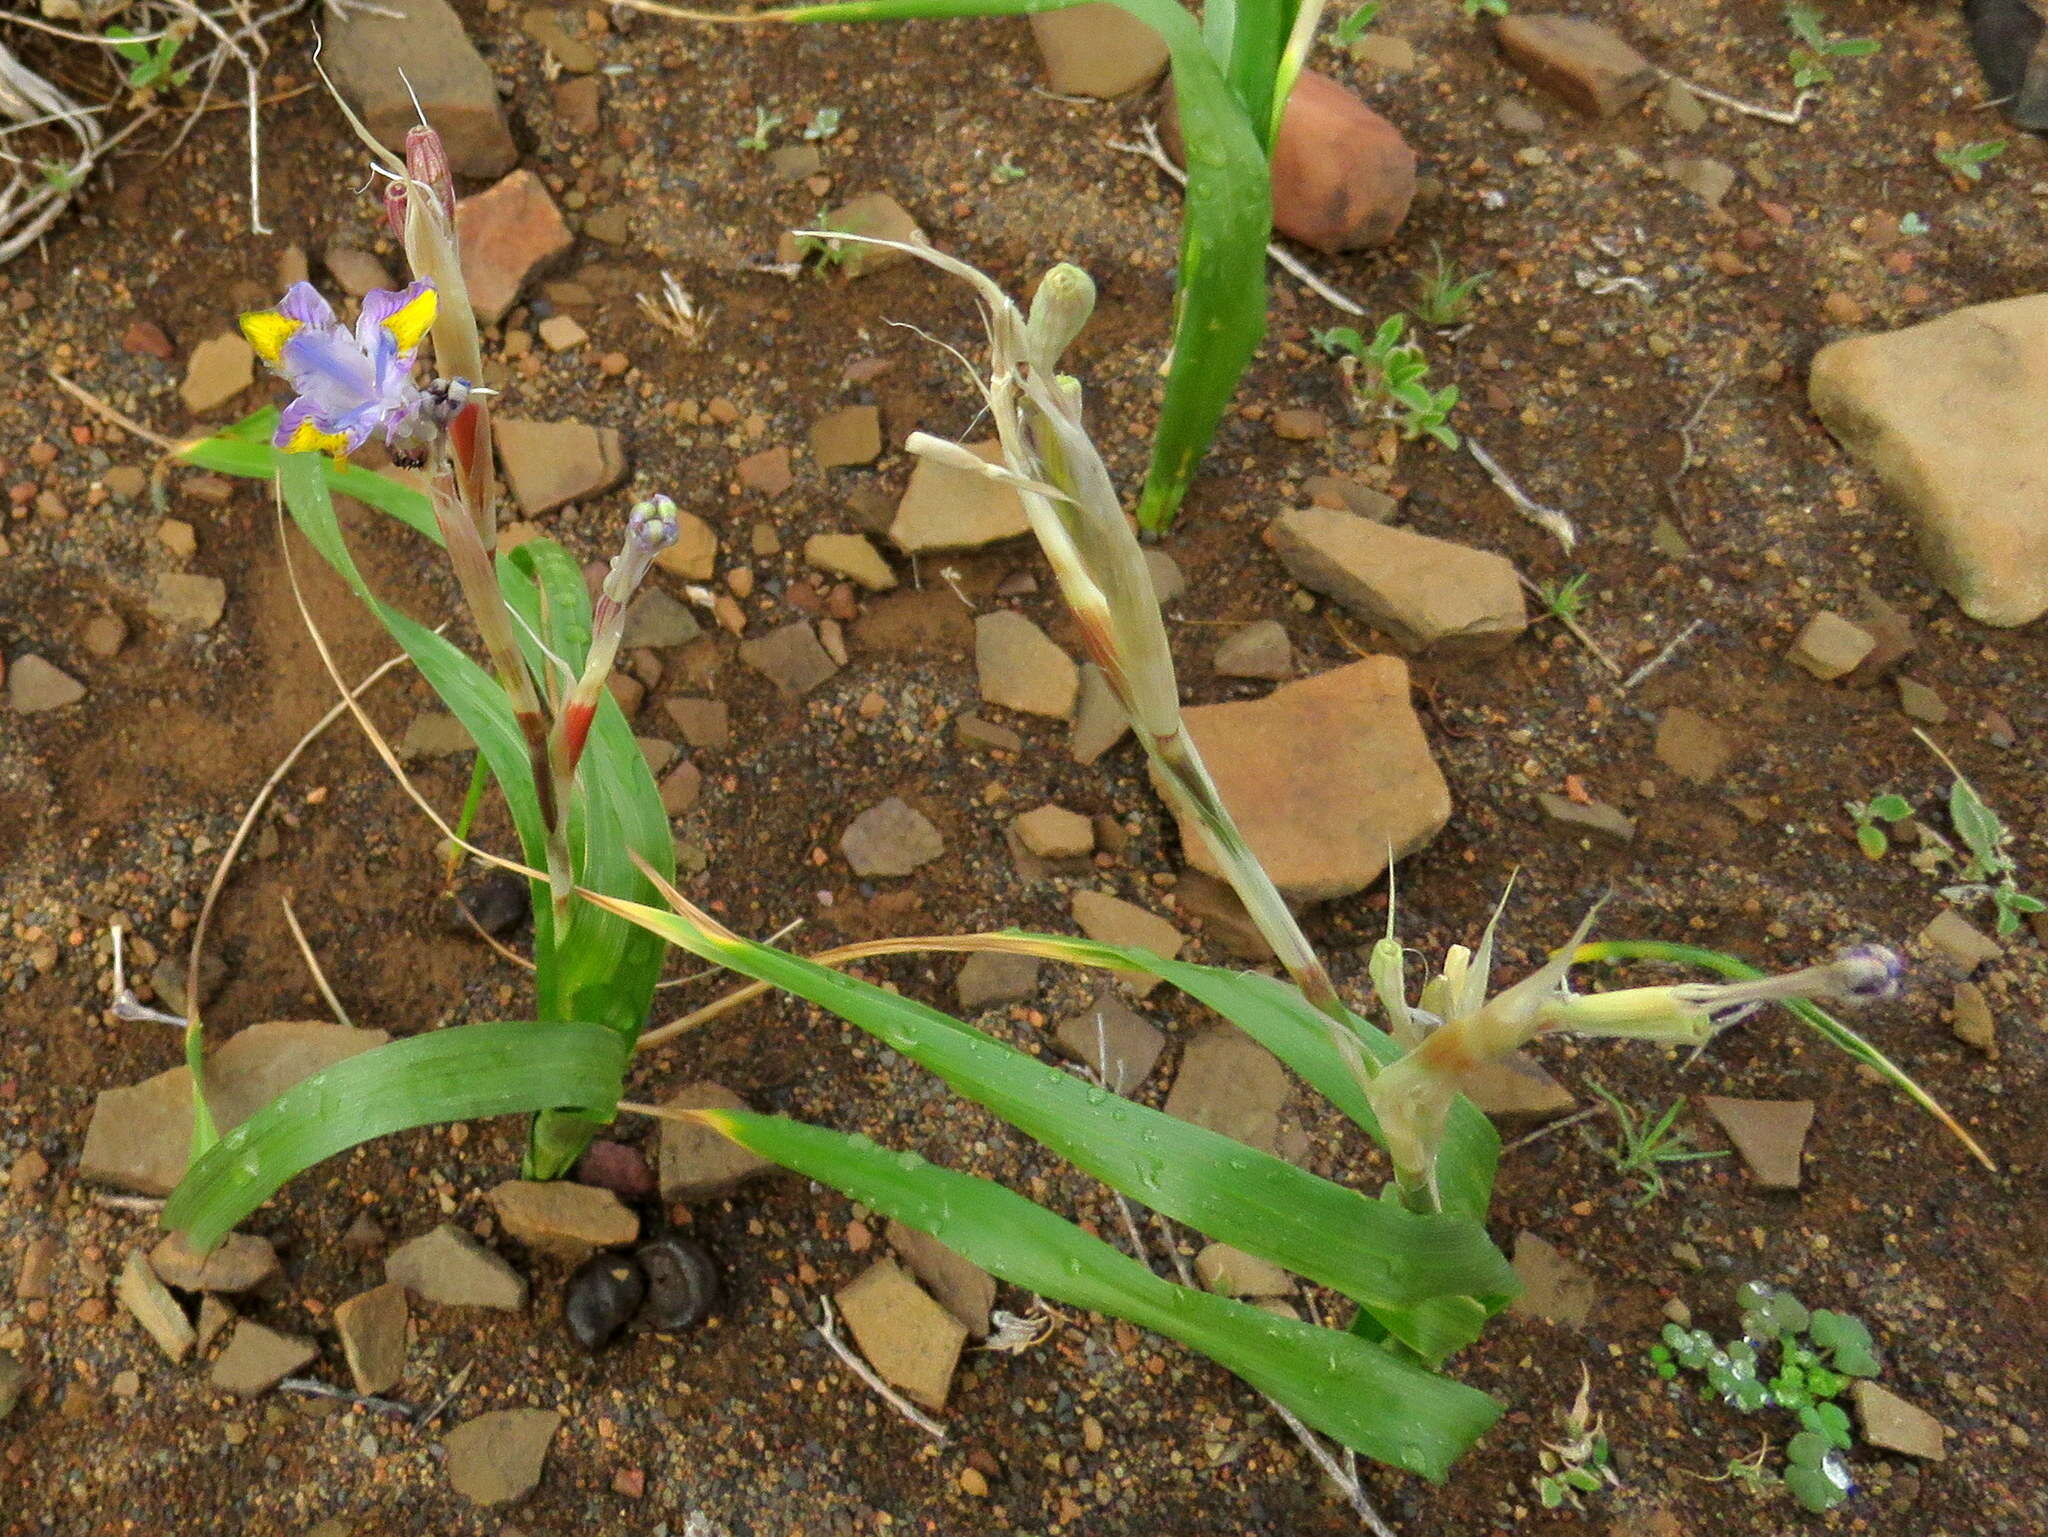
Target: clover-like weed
<point>1790,1359</point>
<point>1871,818</point>
<point>1388,378</point>
<point>1809,61</point>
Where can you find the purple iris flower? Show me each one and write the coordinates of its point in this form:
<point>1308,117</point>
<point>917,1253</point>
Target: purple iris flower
<point>347,385</point>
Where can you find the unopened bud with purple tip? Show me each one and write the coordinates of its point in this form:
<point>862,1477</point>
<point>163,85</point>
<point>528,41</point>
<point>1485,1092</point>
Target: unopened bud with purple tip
<point>1868,972</point>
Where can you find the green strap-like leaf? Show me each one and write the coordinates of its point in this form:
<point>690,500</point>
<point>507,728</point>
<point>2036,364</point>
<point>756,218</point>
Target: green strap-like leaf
<point>502,1067</point>
<point>244,449</point>
<point>1367,1398</point>
<point>1374,1252</point>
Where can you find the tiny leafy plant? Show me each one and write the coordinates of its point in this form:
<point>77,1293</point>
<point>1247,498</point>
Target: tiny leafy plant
<point>820,244</point>
<point>1990,871</point>
<point>1809,60</point>
<point>1443,295</point>
<point>823,124</point>
<point>1564,600</point>
<point>1967,161</point>
<point>1644,1146</point>
<point>1912,224</point>
<point>1872,817</point>
<point>1581,1463</point>
<point>1790,1359</point>
<point>765,124</point>
<point>1353,27</point>
<point>1006,170</point>
<point>1388,379</point>
<point>1474,9</point>
<point>152,68</point>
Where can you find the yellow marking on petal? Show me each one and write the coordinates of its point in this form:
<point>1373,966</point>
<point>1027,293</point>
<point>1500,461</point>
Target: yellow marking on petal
<point>268,331</point>
<point>308,438</point>
<point>413,320</point>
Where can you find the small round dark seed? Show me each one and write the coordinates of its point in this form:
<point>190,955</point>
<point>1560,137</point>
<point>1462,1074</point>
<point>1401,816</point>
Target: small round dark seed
<point>604,1293</point>
<point>682,1283</point>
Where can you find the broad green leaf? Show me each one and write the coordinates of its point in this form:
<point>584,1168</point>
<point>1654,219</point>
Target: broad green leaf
<point>1281,1020</point>
<point>502,1067</point>
<point>1359,1393</point>
<point>1375,1253</point>
<point>244,449</point>
<point>1976,824</point>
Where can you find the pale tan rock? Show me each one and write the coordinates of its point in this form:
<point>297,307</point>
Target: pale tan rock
<point>1020,668</point>
<point>1579,61</point>
<point>220,368</point>
<point>240,1262</point>
<point>1554,1286</point>
<point>1323,777</point>
<point>372,1326</point>
<point>850,556</point>
<point>910,1339</point>
<point>549,463</point>
<point>1770,1134</point>
<point>1112,921</point>
<point>1098,50</point>
<point>153,1306</point>
<point>1430,595</point>
<point>509,232</point>
<point>1232,1085</point>
<point>258,1358</point>
<point>1951,414</point>
<point>962,1287</point>
<point>498,1457</point>
<point>948,508</point>
<point>1053,832</point>
<point>697,1164</point>
<point>561,1217</point>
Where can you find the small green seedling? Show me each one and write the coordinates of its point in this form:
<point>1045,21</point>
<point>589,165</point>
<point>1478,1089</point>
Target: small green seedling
<point>152,69</point>
<point>1870,817</point>
<point>765,123</point>
<point>823,124</point>
<point>1474,9</point>
<point>1581,1463</point>
<point>1809,62</point>
<point>1990,871</point>
<point>1388,376</point>
<point>63,177</point>
<point>1818,1354</point>
<point>1967,161</point>
<point>1912,224</point>
<point>1006,171</point>
<point>1352,27</point>
<point>1644,1146</point>
<point>1443,297</point>
<point>1565,600</point>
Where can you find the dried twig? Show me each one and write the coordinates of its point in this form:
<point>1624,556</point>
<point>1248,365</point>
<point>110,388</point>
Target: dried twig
<point>1344,1478</point>
<point>1550,1126</point>
<point>1661,657</point>
<point>126,423</point>
<point>1789,117</point>
<point>1688,457</point>
<point>828,1331</point>
<point>313,963</point>
<point>1548,518</point>
<point>455,1385</point>
<point>143,1203</point>
<point>1282,258</point>
<point>312,1387</point>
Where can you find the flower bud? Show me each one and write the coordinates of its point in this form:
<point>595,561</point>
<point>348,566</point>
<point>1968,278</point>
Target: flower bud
<point>426,162</point>
<point>652,526</point>
<point>1061,307</point>
<point>1867,971</point>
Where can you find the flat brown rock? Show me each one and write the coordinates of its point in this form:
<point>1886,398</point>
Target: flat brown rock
<point>910,1339</point>
<point>1770,1134</point>
<point>947,508</point>
<point>1432,596</point>
<point>1113,921</point>
<point>496,1458</point>
<point>962,1287</point>
<point>449,1268</point>
<point>1021,669</point>
<point>1323,776</point>
<point>549,463</point>
<point>1578,61</point>
<point>140,1135</point>
<point>372,1326</point>
<point>1231,1084</point>
<point>239,1262</point>
<point>561,1217</point>
<point>257,1359</point>
<point>1951,414</point>
<point>696,1162</point>
<point>509,232</point>
<point>151,1304</point>
<point>1554,1286</point>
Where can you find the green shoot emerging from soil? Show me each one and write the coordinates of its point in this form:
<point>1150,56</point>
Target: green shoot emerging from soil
<point>1644,1146</point>
<point>1580,1463</point>
<point>823,124</point>
<point>1388,379</point>
<point>1819,1353</point>
<point>1474,9</point>
<point>1871,816</point>
<point>765,124</point>
<point>1990,871</point>
<point>1443,296</point>
<point>1809,61</point>
<point>1967,161</point>
<point>1564,600</point>
<point>153,69</point>
<point>1352,27</point>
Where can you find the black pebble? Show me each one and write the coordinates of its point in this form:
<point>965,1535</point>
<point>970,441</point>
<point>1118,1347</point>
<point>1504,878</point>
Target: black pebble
<point>604,1293</point>
<point>497,901</point>
<point>682,1283</point>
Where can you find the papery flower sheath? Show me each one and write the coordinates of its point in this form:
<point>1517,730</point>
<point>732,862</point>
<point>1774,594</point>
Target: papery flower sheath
<point>346,385</point>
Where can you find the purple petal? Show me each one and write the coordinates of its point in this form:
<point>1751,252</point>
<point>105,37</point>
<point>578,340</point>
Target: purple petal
<point>329,372</point>
<point>302,302</point>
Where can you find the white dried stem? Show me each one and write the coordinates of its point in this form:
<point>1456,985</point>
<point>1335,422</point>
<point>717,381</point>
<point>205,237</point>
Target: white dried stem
<point>828,1331</point>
